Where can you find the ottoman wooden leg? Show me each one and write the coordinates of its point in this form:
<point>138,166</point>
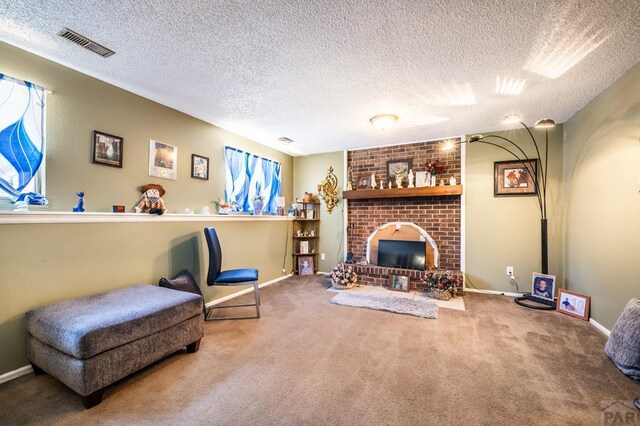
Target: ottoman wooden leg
<point>193,347</point>
<point>37,370</point>
<point>92,399</point>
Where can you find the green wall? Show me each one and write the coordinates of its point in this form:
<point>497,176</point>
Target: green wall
<point>505,231</point>
<point>602,199</point>
<point>81,104</point>
<point>308,172</point>
<point>44,263</point>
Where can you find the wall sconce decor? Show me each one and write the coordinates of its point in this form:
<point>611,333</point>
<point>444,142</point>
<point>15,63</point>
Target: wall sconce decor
<point>328,190</point>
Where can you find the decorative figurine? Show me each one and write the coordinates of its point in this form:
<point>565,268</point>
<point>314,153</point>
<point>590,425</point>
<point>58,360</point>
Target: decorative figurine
<point>152,202</point>
<point>398,181</point>
<point>452,180</point>
<point>410,179</point>
<point>390,184</point>
<point>381,186</point>
<point>349,179</point>
<point>441,182</point>
<point>373,181</point>
<point>79,208</point>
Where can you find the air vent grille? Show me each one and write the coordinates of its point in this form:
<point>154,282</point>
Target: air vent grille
<point>81,40</point>
<point>285,140</point>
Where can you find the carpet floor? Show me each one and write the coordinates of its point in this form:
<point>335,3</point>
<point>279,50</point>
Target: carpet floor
<point>307,361</point>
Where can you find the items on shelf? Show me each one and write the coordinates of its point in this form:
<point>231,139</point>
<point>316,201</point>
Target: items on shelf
<point>306,236</point>
<point>79,208</point>
<point>151,202</point>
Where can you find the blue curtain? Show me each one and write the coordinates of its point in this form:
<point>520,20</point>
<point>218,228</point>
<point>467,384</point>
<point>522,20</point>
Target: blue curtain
<point>247,176</point>
<point>21,134</point>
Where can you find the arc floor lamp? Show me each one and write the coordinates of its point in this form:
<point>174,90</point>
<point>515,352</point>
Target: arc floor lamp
<point>539,179</point>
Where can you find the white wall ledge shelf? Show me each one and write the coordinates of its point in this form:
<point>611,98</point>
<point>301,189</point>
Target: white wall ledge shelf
<point>8,218</point>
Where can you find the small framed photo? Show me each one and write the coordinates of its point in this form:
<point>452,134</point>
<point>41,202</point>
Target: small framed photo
<point>305,265</point>
<point>399,168</point>
<point>163,160</point>
<point>421,179</point>
<point>543,286</point>
<point>304,247</point>
<point>106,149</point>
<point>364,182</point>
<point>199,167</point>
<point>399,282</point>
<point>310,214</point>
<point>574,304</point>
<point>515,177</point>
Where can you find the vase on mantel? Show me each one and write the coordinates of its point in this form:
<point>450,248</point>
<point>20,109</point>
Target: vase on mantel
<point>434,180</point>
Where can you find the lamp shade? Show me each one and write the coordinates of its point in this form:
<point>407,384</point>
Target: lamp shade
<point>545,123</point>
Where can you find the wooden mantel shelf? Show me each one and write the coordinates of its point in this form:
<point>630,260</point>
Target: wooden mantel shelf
<point>428,191</point>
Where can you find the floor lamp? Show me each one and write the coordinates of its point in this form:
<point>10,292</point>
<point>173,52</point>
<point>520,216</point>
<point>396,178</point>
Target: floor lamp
<point>539,180</point>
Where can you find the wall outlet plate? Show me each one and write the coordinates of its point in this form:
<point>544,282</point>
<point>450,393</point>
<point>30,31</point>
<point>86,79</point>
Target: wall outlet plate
<point>322,256</point>
<point>510,271</point>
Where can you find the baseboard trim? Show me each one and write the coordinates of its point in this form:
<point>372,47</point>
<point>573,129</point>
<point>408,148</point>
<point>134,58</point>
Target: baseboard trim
<point>600,327</point>
<point>22,371</point>
<point>245,291</point>
<point>495,292</point>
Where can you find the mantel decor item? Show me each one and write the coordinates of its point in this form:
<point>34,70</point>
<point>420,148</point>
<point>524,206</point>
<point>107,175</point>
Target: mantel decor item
<point>343,276</point>
<point>163,160</point>
<point>364,182</point>
<point>328,190</point>
<point>151,202</point>
<point>539,179</point>
<point>107,149</point>
<point>399,169</point>
<point>199,167</point>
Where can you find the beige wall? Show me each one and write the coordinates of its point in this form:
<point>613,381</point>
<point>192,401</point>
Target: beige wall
<point>40,264</point>
<point>46,263</point>
<point>308,172</point>
<point>602,202</point>
<point>505,231</point>
<point>81,104</point>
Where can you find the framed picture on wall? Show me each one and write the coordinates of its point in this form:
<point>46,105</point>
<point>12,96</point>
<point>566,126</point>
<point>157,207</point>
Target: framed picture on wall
<point>199,167</point>
<point>515,177</point>
<point>399,282</point>
<point>107,149</point>
<point>163,160</point>
<point>399,168</point>
<point>574,304</point>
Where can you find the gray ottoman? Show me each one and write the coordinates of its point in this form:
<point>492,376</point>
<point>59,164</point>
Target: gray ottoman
<point>92,342</point>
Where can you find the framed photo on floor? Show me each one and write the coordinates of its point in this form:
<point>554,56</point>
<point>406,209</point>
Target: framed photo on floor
<point>199,167</point>
<point>574,304</point>
<point>398,282</point>
<point>107,149</point>
<point>305,265</point>
<point>515,177</point>
<point>163,160</point>
<point>543,286</point>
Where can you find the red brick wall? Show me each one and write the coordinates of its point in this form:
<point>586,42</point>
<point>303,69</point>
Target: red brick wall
<point>439,216</point>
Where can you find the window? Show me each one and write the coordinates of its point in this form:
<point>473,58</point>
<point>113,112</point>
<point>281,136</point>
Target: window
<point>21,136</point>
<point>248,176</point>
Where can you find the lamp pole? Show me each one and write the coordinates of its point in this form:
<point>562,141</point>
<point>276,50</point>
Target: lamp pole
<point>539,181</point>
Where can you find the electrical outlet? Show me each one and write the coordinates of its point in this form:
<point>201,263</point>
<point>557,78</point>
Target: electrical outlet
<point>510,271</point>
<point>322,256</point>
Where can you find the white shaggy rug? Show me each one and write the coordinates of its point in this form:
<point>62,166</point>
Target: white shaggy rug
<point>423,308</point>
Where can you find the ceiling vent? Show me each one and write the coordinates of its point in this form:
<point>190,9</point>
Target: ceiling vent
<point>285,140</point>
<point>80,40</point>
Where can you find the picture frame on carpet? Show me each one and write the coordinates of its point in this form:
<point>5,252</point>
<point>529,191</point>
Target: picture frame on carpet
<point>399,282</point>
<point>305,265</point>
<point>163,160</point>
<point>515,178</point>
<point>199,167</point>
<point>107,149</point>
<point>399,168</point>
<point>574,304</point>
<point>364,182</point>
<point>543,286</point>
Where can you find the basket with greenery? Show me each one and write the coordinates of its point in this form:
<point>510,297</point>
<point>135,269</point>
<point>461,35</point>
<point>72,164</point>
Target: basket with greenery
<point>441,284</point>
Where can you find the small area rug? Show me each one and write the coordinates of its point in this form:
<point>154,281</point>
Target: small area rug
<point>418,308</point>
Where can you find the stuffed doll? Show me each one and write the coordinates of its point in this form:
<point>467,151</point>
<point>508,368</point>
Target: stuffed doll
<point>151,201</point>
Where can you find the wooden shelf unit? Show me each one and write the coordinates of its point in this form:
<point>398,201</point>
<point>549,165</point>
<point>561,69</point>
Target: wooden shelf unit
<point>307,219</point>
<point>427,191</point>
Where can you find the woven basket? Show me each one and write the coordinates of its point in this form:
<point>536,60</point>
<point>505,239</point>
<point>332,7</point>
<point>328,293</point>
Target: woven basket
<point>435,293</point>
<point>343,287</point>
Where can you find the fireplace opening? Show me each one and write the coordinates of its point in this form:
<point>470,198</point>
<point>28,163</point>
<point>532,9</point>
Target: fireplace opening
<point>398,232</point>
<point>402,254</point>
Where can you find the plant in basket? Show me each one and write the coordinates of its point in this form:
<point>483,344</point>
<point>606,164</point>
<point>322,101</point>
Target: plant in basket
<point>343,276</point>
<point>441,285</point>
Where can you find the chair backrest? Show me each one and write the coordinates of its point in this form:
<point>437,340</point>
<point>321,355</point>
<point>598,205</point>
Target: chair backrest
<point>215,255</point>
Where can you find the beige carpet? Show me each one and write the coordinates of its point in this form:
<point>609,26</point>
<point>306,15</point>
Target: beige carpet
<point>310,362</point>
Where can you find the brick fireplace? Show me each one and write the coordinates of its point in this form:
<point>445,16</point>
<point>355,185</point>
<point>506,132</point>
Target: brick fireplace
<point>440,216</point>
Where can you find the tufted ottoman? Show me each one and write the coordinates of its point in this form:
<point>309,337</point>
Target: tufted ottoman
<point>92,342</point>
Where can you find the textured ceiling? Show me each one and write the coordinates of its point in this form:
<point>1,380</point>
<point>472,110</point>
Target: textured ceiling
<point>316,71</point>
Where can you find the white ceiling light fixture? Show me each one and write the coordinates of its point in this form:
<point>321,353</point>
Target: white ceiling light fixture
<point>509,85</point>
<point>383,121</point>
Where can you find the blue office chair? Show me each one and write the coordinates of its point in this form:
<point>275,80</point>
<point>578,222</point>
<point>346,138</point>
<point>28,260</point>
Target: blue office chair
<point>230,277</point>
